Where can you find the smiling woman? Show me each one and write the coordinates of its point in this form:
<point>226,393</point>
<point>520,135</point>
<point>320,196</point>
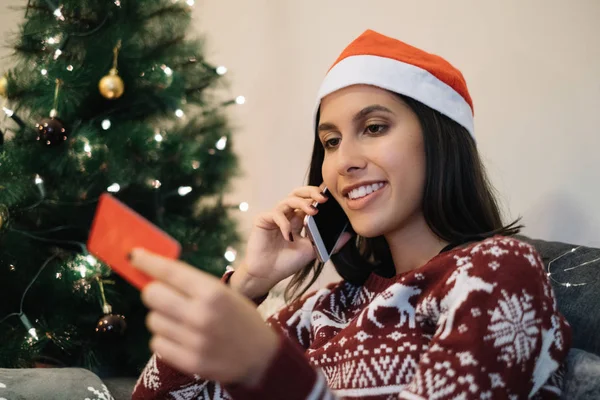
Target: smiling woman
<point>437,301</point>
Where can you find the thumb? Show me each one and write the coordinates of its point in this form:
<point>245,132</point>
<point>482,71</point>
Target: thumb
<point>344,238</point>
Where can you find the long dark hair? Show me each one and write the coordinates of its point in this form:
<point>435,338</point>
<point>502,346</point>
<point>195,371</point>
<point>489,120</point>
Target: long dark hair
<point>458,204</point>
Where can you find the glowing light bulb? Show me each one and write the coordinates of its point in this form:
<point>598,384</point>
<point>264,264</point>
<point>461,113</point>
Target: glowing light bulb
<point>221,70</point>
<point>158,137</point>
<point>230,254</point>
<point>179,113</point>
<point>168,71</point>
<point>222,143</point>
<point>240,100</point>
<point>106,124</point>
<point>183,190</point>
<point>244,206</point>
<point>38,180</point>
<point>44,72</point>
<point>114,188</point>
<point>33,333</point>
<point>58,14</point>
<point>91,260</point>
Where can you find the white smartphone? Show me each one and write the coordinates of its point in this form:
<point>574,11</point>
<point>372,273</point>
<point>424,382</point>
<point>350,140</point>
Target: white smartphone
<point>325,228</point>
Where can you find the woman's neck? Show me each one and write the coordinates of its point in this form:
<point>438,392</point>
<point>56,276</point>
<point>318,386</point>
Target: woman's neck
<point>413,245</point>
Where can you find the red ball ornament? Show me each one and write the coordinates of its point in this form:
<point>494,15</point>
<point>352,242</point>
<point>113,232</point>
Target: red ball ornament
<point>111,325</point>
<point>51,132</point>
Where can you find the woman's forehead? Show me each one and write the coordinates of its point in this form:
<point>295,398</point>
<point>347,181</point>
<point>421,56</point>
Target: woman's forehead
<point>352,99</point>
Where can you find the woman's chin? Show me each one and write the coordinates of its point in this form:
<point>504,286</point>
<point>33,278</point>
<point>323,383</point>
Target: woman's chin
<point>368,230</point>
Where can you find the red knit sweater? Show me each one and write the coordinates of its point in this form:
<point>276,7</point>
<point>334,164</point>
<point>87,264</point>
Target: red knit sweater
<point>478,322</point>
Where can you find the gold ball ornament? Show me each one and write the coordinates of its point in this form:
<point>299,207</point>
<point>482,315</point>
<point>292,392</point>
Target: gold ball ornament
<point>3,86</point>
<point>112,86</point>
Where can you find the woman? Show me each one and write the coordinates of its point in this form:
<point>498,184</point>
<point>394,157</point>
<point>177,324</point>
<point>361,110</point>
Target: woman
<point>436,302</point>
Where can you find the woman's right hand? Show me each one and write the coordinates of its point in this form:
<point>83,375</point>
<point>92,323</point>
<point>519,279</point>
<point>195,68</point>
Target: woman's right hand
<point>275,249</point>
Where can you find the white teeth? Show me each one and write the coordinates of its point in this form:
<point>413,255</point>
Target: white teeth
<point>364,190</point>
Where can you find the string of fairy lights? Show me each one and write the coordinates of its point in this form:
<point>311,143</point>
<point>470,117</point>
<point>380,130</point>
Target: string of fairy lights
<point>84,264</point>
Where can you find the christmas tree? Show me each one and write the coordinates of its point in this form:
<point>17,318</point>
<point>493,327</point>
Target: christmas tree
<point>104,96</point>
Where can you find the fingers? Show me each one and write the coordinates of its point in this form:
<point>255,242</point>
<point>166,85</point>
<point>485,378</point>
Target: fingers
<point>291,204</point>
<point>176,274</point>
<point>159,297</point>
<point>310,192</point>
<point>161,325</point>
<point>175,354</point>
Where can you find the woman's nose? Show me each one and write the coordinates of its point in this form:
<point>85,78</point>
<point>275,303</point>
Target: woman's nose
<point>350,158</point>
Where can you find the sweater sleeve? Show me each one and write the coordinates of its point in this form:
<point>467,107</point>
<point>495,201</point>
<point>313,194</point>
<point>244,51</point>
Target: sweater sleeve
<point>499,333</point>
<point>289,375</point>
<point>158,380</point>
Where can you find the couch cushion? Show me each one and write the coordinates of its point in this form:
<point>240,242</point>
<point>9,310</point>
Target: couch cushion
<point>579,304</point>
<point>582,376</point>
<point>51,384</point>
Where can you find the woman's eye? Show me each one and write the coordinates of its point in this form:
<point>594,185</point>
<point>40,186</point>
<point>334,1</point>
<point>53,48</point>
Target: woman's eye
<point>331,143</point>
<point>376,128</point>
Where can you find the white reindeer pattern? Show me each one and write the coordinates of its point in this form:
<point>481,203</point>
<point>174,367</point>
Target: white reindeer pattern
<point>464,285</point>
<point>396,296</point>
<point>302,317</point>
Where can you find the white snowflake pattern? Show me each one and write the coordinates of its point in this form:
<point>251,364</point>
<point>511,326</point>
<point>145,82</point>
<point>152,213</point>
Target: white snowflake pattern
<point>102,394</point>
<point>531,258</point>
<point>496,380</point>
<point>343,341</point>
<point>476,248</point>
<point>460,261</point>
<point>462,328</point>
<point>494,265</point>
<point>514,328</point>
<point>419,276</point>
<point>475,312</point>
<point>470,380</point>
<point>496,251</point>
<point>486,395</point>
<point>466,358</point>
<point>396,335</point>
<point>362,336</point>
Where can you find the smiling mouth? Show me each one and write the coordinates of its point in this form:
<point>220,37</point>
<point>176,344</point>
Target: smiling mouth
<point>364,190</point>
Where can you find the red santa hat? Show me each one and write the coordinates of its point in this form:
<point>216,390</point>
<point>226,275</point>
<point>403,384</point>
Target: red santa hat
<point>378,60</point>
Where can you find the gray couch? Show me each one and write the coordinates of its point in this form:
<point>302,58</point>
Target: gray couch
<point>579,304</point>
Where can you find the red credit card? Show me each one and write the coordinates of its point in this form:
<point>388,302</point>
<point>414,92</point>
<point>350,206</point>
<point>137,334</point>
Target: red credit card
<point>117,230</point>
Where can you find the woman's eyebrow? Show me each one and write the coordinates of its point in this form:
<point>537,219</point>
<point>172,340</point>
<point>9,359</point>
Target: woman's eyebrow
<point>370,109</point>
<point>327,126</point>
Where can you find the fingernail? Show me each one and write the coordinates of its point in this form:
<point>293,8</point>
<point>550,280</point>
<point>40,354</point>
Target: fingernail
<point>313,207</point>
<point>291,237</point>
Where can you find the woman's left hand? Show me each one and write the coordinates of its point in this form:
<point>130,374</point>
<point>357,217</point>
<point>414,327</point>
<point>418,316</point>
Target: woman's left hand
<point>200,326</point>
